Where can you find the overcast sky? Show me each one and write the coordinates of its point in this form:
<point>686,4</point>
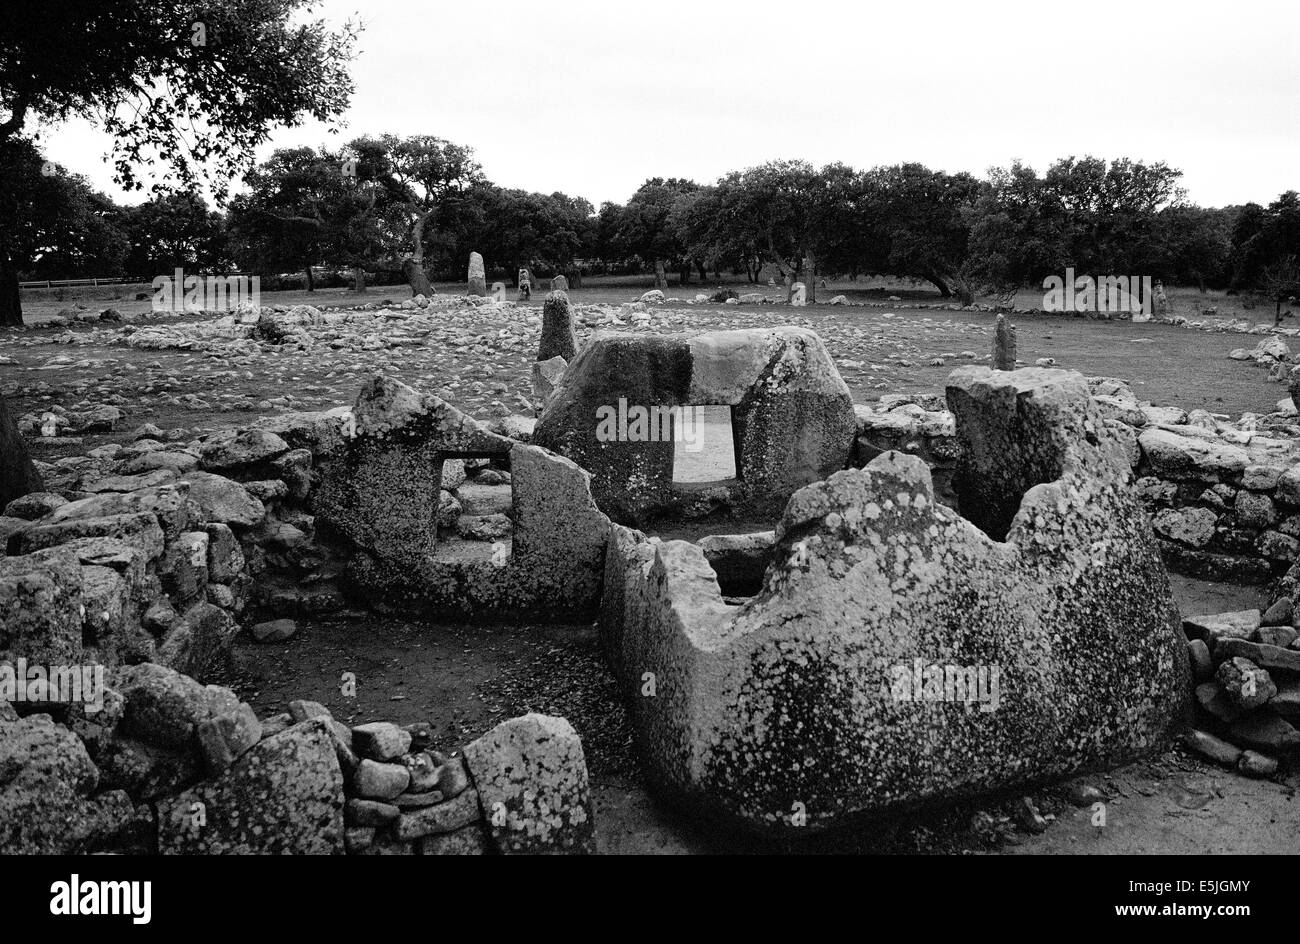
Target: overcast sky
<point>591,98</point>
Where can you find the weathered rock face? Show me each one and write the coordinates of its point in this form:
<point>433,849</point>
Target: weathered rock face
<point>792,416</point>
<point>382,492</point>
<point>40,608</point>
<point>900,653</point>
<point>45,807</point>
<point>558,338</point>
<point>532,786</point>
<point>284,796</point>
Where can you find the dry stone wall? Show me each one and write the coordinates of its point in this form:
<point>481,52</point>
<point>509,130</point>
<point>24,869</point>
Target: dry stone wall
<point>1224,497</point>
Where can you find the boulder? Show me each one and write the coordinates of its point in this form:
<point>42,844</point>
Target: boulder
<point>223,501</point>
<point>34,505</point>
<point>45,807</point>
<point>232,450</point>
<point>283,796</point>
<point>1184,457</point>
<point>41,608</point>
<point>531,778</point>
<point>199,640</point>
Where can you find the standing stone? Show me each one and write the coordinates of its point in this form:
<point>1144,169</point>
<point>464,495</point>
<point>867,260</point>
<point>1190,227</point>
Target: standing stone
<point>1161,300</point>
<point>559,284</point>
<point>477,278</point>
<point>558,338</point>
<point>798,295</point>
<point>525,285</point>
<point>498,291</point>
<point>1004,345</point>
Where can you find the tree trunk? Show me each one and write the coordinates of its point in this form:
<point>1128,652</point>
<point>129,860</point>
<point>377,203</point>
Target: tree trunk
<point>417,278</point>
<point>11,301</point>
<point>941,285</point>
<point>684,274</point>
<point>703,270</point>
<point>311,281</point>
<point>809,277</point>
<point>661,280</point>
<point>358,279</point>
<point>18,475</point>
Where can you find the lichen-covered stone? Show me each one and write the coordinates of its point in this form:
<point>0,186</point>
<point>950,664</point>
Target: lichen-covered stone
<point>40,608</point>
<point>792,415</point>
<point>283,796</point>
<point>45,807</point>
<point>558,338</point>
<point>531,778</point>
<point>1045,612</point>
<point>223,501</point>
<point>198,640</point>
<point>232,450</point>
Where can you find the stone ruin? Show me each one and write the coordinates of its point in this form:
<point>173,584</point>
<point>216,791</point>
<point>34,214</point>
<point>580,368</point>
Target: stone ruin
<point>533,544</point>
<point>791,413</point>
<point>799,706</point>
<point>953,602</point>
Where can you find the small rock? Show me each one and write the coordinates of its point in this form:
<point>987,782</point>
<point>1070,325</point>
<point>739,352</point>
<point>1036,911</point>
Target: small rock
<point>1212,747</point>
<point>380,740</point>
<point>1027,815</point>
<point>1202,664</point>
<point>1255,764</point>
<point>275,630</point>
<point>1279,614</point>
<point>300,710</point>
<point>442,818</point>
<point>1084,794</point>
<point>358,812</point>
<point>377,781</point>
<point>1246,684</point>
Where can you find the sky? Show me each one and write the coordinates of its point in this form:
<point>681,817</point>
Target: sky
<point>592,98</point>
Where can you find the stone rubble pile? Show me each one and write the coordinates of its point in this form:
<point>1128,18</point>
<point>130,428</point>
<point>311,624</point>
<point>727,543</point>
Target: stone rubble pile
<point>1246,669</point>
<point>167,765</point>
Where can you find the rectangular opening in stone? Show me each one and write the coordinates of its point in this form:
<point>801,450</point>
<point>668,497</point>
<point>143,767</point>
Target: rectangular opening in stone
<point>704,446</point>
<point>475,506</point>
